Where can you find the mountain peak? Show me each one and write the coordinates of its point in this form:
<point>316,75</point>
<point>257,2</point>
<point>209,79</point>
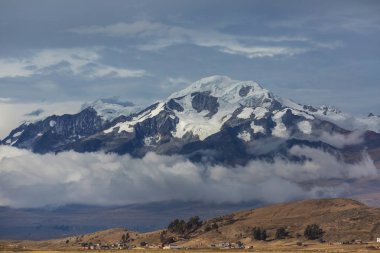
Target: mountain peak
<point>111,108</point>
<point>226,89</point>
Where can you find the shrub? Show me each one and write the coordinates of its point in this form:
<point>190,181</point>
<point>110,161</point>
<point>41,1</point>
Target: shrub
<point>212,227</point>
<point>165,239</point>
<point>313,232</point>
<point>259,234</point>
<point>281,233</point>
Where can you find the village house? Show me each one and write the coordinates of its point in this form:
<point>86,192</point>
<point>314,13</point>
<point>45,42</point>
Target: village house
<point>172,246</point>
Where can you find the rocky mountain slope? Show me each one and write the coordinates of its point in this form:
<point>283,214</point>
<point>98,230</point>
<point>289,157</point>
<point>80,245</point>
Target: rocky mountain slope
<point>53,133</point>
<point>216,118</point>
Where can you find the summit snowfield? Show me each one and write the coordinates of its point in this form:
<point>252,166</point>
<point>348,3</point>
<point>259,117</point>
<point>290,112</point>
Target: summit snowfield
<point>202,108</point>
<point>215,119</point>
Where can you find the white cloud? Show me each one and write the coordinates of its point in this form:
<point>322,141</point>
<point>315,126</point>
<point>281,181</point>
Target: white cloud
<point>258,52</point>
<point>283,38</point>
<point>28,179</point>
<point>78,61</point>
<point>341,140</point>
<point>158,36</point>
<point>11,67</point>
<point>139,28</point>
<point>5,100</point>
<point>174,82</point>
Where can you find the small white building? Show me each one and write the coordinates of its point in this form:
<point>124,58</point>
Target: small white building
<point>172,246</point>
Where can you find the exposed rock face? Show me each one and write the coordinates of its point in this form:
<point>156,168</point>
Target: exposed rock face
<point>173,105</point>
<point>54,132</point>
<point>243,92</point>
<point>203,101</point>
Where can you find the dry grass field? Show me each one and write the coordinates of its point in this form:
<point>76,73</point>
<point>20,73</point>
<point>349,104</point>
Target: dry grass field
<point>348,225</point>
<point>263,249</point>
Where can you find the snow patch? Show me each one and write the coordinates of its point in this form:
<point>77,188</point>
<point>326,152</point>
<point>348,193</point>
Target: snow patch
<point>199,124</point>
<point>52,123</point>
<point>260,112</point>
<point>280,129</point>
<point>128,126</point>
<point>18,134</point>
<point>245,113</point>
<point>257,128</point>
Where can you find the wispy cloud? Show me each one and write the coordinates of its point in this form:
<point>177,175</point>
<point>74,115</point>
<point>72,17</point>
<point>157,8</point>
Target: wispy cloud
<point>139,28</point>
<point>76,61</point>
<point>155,36</point>
<point>174,82</point>
<point>5,100</point>
<point>346,19</point>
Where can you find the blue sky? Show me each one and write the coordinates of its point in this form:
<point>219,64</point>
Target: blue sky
<point>314,52</point>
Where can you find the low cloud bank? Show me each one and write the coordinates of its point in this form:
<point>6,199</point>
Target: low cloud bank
<point>33,180</point>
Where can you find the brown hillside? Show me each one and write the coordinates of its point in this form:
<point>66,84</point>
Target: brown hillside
<point>341,220</point>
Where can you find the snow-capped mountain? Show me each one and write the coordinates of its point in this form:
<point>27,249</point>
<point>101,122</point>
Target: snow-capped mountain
<point>53,133</point>
<point>342,119</point>
<point>215,118</point>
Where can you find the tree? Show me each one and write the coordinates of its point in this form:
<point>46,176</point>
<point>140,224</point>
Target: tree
<point>256,233</point>
<point>281,233</point>
<point>181,227</point>
<point>263,235</point>
<point>194,223</point>
<point>165,239</point>
<point>259,234</point>
<point>125,237</point>
<point>313,232</point>
<point>177,226</point>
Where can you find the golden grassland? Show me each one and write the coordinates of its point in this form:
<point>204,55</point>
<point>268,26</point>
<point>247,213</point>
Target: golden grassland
<point>264,248</point>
